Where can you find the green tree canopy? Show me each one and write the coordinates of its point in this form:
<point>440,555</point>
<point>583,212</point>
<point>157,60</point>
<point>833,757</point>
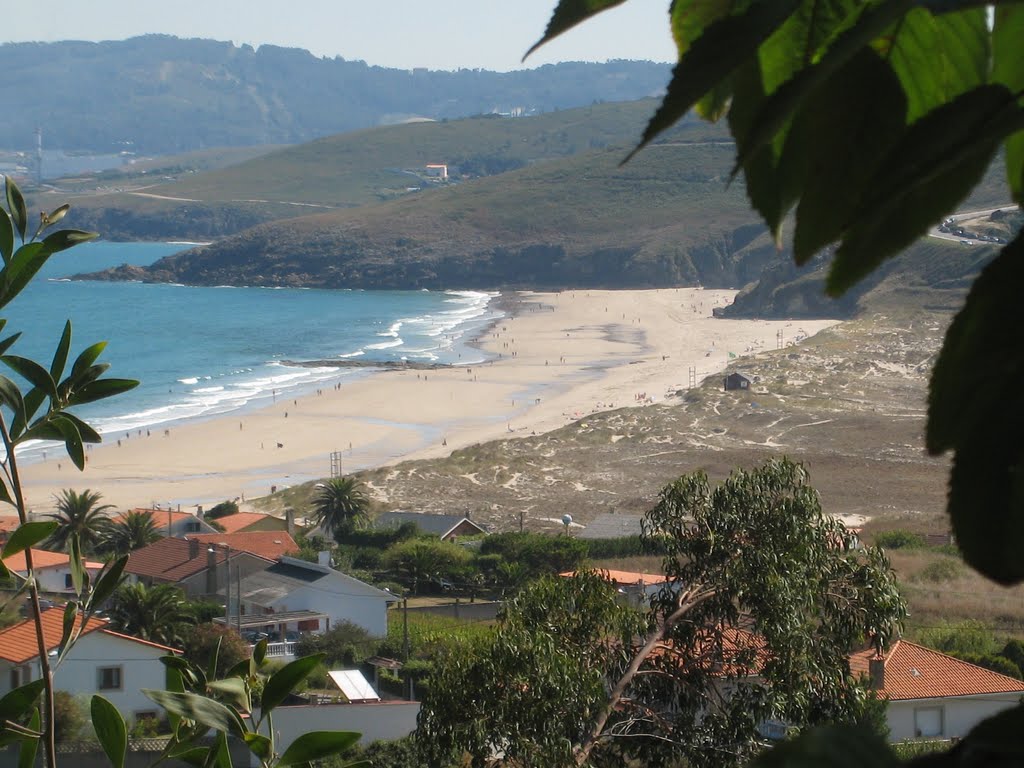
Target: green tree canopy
<point>763,605</point>
<point>340,505</point>
<point>81,516</point>
<point>157,613</point>
<point>134,530</point>
<point>417,561</point>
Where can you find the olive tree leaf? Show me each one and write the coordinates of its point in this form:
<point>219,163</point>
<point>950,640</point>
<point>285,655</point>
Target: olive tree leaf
<point>316,745</point>
<point>16,205</point>
<point>722,48</point>
<point>107,582</point>
<point>6,236</point>
<point>568,14</point>
<point>22,267</point>
<point>32,372</point>
<point>10,396</point>
<point>60,355</point>
<point>7,343</point>
<point>89,435</point>
<point>29,747</point>
<point>233,690</point>
<point>20,700</point>
<point>77,566</point>
<point>923,176</point>
<point>283,682</point>
<point>63,239</point>
<point>85,359</point>
<point>110,728</point>
<point>201,709</point>
<point>28,535</point>
<point>972,411</point>
<point>100,389</point>
<point>259,745</point>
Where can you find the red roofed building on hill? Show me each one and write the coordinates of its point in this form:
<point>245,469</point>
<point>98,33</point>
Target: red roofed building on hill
<point>52,569</point>
<point>169,522</point>
<point>102,661</point>
<point>199,568</point>
<point>932,695</point>
<point>268,544</point>
<point>249,521</point>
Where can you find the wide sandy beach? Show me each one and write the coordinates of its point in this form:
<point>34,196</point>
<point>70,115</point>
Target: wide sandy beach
<point>559,357</point>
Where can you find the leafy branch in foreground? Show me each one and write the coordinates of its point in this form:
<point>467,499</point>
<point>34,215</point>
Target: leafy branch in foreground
<point>873,120</point>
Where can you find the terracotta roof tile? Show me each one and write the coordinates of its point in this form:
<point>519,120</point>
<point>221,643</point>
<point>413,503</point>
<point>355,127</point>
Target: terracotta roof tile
<point>242,520</point>
<point>167,560</point>
<point>42,558</point>
<point>268,544</point>
<point>18,643</point>
<point>160,516</point>
<point>915,672</point>
<point>9,523</point>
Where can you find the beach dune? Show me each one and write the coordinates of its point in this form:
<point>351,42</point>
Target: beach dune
<point>556,357</point>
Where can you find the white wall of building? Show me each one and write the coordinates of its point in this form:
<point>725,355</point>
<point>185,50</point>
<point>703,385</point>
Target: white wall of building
<point>55,578</point>
<point>340,603</point>
<point>379,720</point>
<point>956,714</point>
<point>79,673</point>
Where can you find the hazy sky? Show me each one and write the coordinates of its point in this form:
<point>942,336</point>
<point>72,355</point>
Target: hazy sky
<point>438,34</point>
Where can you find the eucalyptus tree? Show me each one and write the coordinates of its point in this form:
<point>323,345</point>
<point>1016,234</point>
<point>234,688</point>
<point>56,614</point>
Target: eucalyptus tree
<point>80,517</point>
<point>764,601</point>
<point>340,505</point>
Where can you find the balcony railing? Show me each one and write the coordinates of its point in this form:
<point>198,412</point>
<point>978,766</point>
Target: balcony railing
<point>277,650</point>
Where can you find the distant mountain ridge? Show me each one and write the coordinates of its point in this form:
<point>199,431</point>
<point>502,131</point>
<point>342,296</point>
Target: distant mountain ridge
<point>160,94</point>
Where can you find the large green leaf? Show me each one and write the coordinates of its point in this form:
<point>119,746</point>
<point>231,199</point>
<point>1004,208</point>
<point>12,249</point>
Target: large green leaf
<point>924,176</point>
<point>16,205</point>
<point>10,396</point>
<point>60,355</point>
<point>111,731</point>
<point>259,745</point>
<point>28,535</point>
<point>89,435</point>
<point>29,747</point>
<point>316,745</point>
<point>6,236</point>
<point>107,582</point>
<point>100,389</point>
<point>834,145</point>
<point>32,372</point>
<point>7,343</point>
<point>63,239</point>
<point>284,681</point>
<point>937,57</point>
<point>19,701</point>
<point>232,689</point>
<point>75,560</point>
<point>689,19</point>
<point>976,410</point>
<point>201,709</point>
<point>24,265</point>
<point>1007,33</point>
<point>72,438</point>
<point>723,48</point>
<point>568,14</point>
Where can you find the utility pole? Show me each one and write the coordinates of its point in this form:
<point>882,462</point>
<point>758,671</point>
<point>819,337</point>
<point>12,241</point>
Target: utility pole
<point>405,643</point>
<point>238,592</point>
<point>227,587</point>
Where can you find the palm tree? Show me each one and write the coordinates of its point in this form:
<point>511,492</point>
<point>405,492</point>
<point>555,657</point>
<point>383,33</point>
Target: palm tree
<point>159,614</point>
<point>340,505</point>
<point>81,516</point>
<point>133,531</point>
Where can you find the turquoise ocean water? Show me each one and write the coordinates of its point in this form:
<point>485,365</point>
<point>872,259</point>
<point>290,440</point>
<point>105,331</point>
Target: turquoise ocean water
<point>205,352</point>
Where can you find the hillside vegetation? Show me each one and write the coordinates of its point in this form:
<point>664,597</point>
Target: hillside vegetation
<point>160,94</point>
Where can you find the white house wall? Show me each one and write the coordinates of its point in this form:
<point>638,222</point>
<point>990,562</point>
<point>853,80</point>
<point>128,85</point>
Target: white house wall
<point>335,600</point>
<point>959,714</point>
<point>386,720</point>
<point>140,668</point>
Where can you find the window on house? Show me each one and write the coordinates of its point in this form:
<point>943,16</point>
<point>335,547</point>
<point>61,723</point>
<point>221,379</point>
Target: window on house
<point>192,527</point>
<point>69,583</point>
<point>109,678</point>
<point>928,722</point>
<point>15,679</point>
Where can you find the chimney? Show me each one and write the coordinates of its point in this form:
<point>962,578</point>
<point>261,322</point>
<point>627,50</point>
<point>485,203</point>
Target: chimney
<point>193,549</point>
<point>876,672</point>
<point>323,557</point>
<point>211,568</point>
<point>289,520</point>
<point>199,511</point>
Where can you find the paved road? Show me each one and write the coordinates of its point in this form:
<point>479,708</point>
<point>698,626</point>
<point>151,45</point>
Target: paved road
<point>962,216</point>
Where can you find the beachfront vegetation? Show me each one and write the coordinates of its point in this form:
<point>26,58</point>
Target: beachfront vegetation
<point>80,517</point>
<point>135,529</point>
<point>761,583</point>
<point>340,506</point>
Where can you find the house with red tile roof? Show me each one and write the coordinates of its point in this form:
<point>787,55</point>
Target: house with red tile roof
<point>241,522</point>
<point>8,525</point>
<point>632,583</point>
<point>931,694</point>
<point>52,569</point>
<point>102,661</point>
<point>199,568</point>
<point>170,522</point>
<point>267,544</point>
